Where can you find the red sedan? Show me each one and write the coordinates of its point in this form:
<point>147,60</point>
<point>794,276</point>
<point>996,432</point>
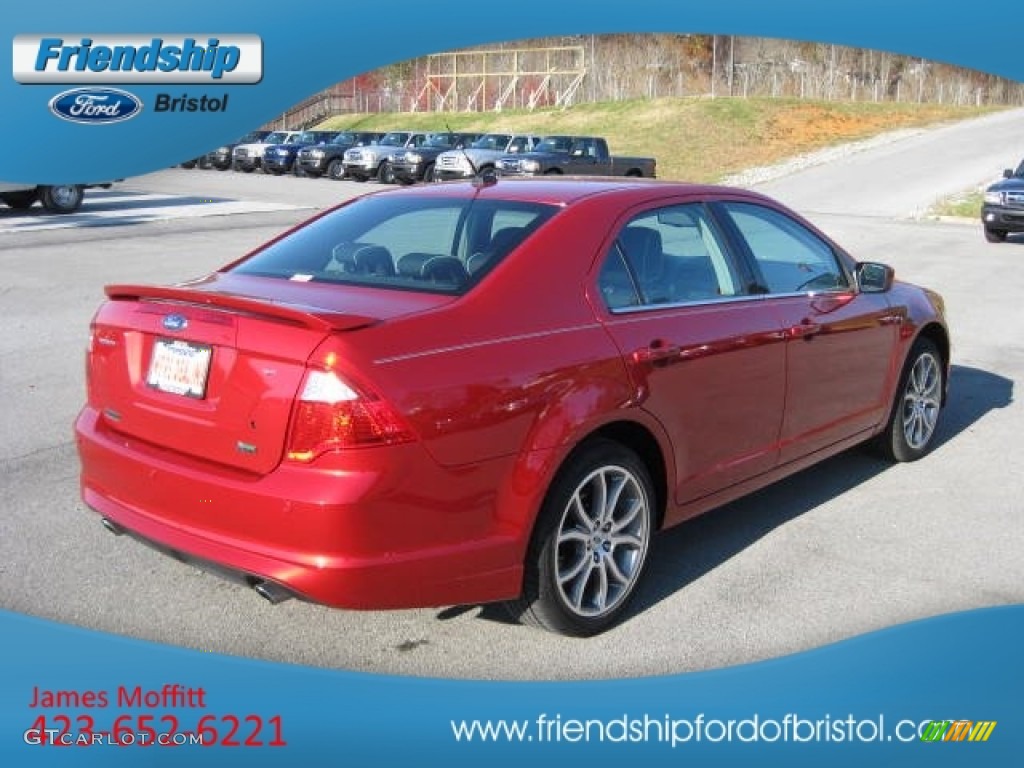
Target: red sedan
<point>472,392</point>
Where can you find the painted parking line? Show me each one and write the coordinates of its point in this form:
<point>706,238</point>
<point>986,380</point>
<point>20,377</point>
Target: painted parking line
<point>113,207</point>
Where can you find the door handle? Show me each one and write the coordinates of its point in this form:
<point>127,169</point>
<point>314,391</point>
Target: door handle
<point>658,352</point>
<point>804,330</point>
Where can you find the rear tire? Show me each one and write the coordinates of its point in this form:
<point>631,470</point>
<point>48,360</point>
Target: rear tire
<point>910,433</point>
<point>590,543</point>
<point>995,235</point>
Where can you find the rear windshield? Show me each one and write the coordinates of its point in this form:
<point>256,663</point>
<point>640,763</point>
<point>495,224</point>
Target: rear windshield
<point>440,245</point>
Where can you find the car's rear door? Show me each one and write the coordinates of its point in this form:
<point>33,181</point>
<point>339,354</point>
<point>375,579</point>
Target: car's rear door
<point>707,358</point>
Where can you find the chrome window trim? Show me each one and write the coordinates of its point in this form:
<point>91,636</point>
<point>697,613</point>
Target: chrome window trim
<point>743,298</point>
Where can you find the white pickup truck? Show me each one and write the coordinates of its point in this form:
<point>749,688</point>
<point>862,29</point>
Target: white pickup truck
<point>56,198</point>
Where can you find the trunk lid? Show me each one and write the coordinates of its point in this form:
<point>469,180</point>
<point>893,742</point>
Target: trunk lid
<point>211,369</point>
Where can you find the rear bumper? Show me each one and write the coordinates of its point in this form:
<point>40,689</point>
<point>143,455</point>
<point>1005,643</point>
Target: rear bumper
<point>392,529</point>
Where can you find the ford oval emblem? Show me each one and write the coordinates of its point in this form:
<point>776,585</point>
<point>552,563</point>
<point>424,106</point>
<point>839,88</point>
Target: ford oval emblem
<point>95,105</point>
<point>175,322</point>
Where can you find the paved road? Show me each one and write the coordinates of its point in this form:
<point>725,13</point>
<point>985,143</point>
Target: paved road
<point>848,547</point>
<point>904,178</point>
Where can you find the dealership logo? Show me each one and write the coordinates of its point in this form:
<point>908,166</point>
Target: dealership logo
<point>95,105</point>
<point>102,59</point>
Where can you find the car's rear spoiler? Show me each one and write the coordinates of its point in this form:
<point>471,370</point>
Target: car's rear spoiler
<point>308,317</point>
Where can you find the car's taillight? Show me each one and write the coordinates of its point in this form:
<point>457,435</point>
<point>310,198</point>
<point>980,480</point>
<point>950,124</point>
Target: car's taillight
<point>331,415</point>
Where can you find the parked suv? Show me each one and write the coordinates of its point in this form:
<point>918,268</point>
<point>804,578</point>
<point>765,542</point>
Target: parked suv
<point>280,158</point>
<point>412,165</point>
<point>249,157</point>
<point>480,155</point>
<point>362,163</point>
<point>1003,209</point>
<point>329,158</point>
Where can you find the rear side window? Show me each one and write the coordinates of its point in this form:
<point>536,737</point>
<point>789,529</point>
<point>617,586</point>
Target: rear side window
<point>396,241</point>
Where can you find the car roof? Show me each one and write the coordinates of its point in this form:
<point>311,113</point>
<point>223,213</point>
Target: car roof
<point>565,190</point>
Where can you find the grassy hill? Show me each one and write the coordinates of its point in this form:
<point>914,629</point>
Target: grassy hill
<point>693,139</point>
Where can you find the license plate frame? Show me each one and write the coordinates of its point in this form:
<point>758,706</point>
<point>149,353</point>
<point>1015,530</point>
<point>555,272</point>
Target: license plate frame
<point>179,367</point>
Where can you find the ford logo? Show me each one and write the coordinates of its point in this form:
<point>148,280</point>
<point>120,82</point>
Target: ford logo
<point>175,322</point>
<point>95,105</point>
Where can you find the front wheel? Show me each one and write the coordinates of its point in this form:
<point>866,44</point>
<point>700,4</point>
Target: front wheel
<point>910,433</point>
<point>64,198</point>
<point>590,543</point>
<point>385,174</point>
<point>428,174</point>
<point>336,169</point>
<point>995,235</point>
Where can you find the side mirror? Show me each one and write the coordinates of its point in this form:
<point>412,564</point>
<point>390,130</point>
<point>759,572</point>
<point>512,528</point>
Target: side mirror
<point>873,277</point>
<point>1008,173</point>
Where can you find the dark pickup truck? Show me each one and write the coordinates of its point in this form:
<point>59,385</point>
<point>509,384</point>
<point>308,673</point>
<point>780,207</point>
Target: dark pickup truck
<point>1002,211</point>
<point>329,158</point>
<point>280,159</point>
<point>412,165</point>
<point>575,155</point>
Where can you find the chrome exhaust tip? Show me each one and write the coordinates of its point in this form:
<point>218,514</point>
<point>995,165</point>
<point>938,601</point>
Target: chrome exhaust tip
<point>111,526</point>
<point>271,592</point>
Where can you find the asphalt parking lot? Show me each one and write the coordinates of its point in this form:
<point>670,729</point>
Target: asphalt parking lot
<point>850,546</point>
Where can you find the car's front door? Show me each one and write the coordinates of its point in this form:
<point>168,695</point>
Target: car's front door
<point>707,358</point>
<point>840,342</point>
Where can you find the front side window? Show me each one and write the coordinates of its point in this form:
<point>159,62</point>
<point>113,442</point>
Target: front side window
<point>670,255</point>
<point>394,139</point>
<point>436,245</point>
<point>790,257</point>
<point>491,141</point>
